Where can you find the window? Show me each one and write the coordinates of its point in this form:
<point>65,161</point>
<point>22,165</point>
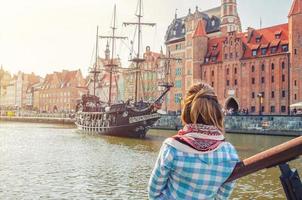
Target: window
<point>212,84</point>
<point>262,80</point>
<point>283,109</point>
<point>253,81</point>
<point>295,96</point>
<point>273,49</point>
<point>226,56</point>
<point>295,51</point>
<point>228,71</point>
<point>253,95</point>
<point>253,68</point>
<point>231,55</point>
<point>207,60</point>
<point>262,109</point>
<point>214,58</point>
<point>253,109</point>
<point>236,82</point>
<point>178,84</point>
<point>258,39</point>
<point>273,109</point>
<point>235,70</point>
<point>283,78</point>
<point>273,79</point>
<point>177,98</point>
<point>277,36</point>
<point>273,94</point>
<point>273,66</point>
<point>285,48</point>
<point>295,82</point>
<point>283,93</point>
<point>283,65</point>
<point>263,51</point>
<point>254,53</point>
<point>262,67</point>
<point>263,93</point>
<point>228,82</point>
<point>212,72</point>
<point>177,71</point>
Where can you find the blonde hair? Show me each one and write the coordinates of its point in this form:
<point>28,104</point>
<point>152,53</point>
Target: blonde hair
<point>201,106</point>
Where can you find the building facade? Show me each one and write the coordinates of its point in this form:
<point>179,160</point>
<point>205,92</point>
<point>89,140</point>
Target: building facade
<point>149,77</point>
<point>60,91</point>
<point>14,91</point>
<point>258,70</point>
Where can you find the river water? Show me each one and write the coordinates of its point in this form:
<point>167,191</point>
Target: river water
<point>44,161</point>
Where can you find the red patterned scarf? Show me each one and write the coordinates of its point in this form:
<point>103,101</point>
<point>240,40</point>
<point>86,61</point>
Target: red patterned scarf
<point>200,137</point>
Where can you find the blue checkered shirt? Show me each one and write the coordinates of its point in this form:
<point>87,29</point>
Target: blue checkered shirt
<point>180,175</point>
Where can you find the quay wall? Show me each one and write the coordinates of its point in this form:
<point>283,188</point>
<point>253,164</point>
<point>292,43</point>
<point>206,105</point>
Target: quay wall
<point>263,125</point>
<point>52,120</point>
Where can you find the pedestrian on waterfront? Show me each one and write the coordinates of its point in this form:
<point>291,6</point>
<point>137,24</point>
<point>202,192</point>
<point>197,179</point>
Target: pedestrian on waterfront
<point>195,163</point>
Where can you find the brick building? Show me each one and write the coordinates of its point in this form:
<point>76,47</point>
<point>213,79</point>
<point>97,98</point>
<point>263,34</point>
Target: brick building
<point>60,91</point>
<point>258,70</point>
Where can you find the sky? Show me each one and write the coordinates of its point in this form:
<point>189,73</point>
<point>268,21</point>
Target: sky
<point>43,36</point>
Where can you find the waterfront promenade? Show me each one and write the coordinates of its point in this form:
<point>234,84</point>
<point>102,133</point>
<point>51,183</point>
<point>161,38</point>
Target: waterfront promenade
<point>262,125</point>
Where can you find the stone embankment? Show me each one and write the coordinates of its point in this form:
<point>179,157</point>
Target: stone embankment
<point>54,120</point>
<point>263,125</point>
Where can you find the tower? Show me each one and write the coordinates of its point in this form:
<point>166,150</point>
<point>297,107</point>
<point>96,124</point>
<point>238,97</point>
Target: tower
<point>230,20</point>
<point>295,49</point>
<point>107,52</point>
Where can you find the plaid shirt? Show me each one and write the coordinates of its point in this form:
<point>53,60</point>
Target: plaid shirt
<point>181,174</point>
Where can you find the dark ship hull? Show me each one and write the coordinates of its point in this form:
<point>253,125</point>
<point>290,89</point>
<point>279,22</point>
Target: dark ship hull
<point>124,119</point>
<point>124,123</point>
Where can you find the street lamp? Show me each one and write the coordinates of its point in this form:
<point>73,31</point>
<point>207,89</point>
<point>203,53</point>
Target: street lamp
<point>260,96</point>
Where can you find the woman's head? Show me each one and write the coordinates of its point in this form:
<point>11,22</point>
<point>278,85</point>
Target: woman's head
<point>201,106</point>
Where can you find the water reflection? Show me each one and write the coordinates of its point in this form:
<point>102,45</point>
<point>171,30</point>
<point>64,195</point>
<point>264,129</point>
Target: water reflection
<point>56,162</point>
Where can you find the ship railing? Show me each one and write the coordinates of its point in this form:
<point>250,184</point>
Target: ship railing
<point>276,156</point>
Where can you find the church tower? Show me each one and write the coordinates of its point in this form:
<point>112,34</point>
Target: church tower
<point>107,52</point>
<point>295,49</point>
<point>230,20</point>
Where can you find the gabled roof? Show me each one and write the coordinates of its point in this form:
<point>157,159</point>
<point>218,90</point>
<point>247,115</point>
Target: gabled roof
<point>259,39</point>
<point>296,8</point>
<point>200,29</point>
<point>59,79</point>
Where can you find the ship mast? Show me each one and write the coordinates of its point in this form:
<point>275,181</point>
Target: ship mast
<point>112,65</point>
<point>95,70</point>
<point>138,60</point>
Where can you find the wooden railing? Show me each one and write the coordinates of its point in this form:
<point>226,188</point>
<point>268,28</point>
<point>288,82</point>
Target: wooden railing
<point>276,156</point>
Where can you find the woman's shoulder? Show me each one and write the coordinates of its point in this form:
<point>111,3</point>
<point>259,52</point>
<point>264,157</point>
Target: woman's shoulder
<point>225,150</point>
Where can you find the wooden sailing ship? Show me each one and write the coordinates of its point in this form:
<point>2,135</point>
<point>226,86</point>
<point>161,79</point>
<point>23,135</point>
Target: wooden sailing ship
<point>127,119</point>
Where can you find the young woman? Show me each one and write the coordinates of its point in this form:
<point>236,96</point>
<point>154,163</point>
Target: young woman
<point>195,163</point>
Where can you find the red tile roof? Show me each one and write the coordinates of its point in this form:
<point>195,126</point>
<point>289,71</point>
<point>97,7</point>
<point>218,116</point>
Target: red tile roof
<point>215,49</point>
<point>268,39</point>
<point>200,29</point>
<point>296,8</point>
<point>262,38</point>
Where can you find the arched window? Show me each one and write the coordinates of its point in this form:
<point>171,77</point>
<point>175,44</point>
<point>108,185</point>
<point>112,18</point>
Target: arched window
<point>228,71</point>
<point>253,68</point>
<point>283,65</point>
<point>273,66</point>
<point>235,70</point>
